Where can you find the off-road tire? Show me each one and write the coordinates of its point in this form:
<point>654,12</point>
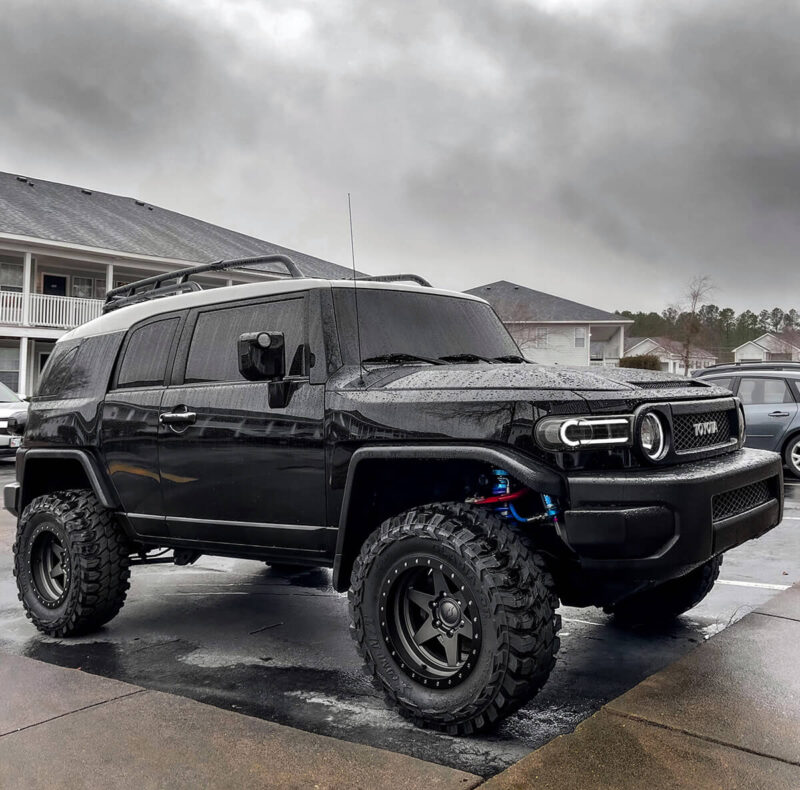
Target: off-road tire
<point>96,555</point>
<point>515,597</point>
<point>662,604</point>
<point>791,455</point>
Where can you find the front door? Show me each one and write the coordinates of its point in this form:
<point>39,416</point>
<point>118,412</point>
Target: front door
<point>769,407</point>
<point>54,285</point>
<point>233,469</point>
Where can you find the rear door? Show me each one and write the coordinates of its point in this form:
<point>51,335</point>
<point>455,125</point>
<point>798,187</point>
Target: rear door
<point>770,407</point>
<point>235,470</point>
<point>129,432</point>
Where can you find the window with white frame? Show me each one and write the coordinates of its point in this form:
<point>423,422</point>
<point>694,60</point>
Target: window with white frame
<point>89,287</point>
<point>540,337</point>
<point>11,274</point>
<point>9,367</point>
<point>580,337</point>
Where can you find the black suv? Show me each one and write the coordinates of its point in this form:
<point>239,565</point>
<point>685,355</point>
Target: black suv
<point>395,433</point>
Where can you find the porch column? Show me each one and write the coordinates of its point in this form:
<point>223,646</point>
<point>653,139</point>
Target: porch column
<point>26,292</point>
<point>22,386</point>
<point>109,276</point>
<point>621,342</point>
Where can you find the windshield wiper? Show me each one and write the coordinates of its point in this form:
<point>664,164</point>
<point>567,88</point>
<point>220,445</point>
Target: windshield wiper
<point>465,358</point>
<point>399,359</point>
<point>513,358</point>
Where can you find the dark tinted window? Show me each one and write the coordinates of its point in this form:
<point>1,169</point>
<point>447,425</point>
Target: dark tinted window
<point>145,360</point>
<point>213,355</point>
<point>80,368</point>
<point>428,325</point>
<point>763,390</point>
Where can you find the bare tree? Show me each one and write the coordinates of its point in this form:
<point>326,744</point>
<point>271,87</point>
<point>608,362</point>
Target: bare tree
<point>690,326</point>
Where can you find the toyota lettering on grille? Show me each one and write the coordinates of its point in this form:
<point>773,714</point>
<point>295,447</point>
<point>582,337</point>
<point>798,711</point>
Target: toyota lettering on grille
<point>705,428</point>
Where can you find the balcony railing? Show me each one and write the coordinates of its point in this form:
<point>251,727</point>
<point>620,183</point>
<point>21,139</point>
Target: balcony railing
<point>58,312</point>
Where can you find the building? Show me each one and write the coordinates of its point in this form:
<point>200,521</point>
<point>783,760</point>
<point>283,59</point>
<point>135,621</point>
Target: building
<point>556,331</point>
<point>670,353</point>
<point>770,347</point>
<point>62,247</point>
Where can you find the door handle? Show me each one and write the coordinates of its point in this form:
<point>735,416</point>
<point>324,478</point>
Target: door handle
<point>779,414</point>
<point>177,418</point>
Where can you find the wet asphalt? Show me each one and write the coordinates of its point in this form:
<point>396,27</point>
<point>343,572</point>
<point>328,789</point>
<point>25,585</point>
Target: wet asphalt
<point>238,635</point>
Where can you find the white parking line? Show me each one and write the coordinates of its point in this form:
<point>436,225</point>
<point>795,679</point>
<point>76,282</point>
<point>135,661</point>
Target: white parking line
<point>791,518</point>
<point>760,585</point>
<point>585,622</point>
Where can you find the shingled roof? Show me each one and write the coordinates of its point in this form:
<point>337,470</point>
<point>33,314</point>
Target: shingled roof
<point>74,215</point>
<point>514,302</point>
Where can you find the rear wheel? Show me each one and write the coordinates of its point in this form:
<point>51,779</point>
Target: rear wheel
<point>71,563</point>
<point>454,616</point>
<point>662,604</point>
<point>791,455</point>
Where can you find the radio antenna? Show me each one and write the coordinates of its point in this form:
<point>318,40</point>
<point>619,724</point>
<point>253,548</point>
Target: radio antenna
<point>355,293</point>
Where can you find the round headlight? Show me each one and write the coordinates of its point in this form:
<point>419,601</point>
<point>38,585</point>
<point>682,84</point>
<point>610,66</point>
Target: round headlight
<point>651,437</point>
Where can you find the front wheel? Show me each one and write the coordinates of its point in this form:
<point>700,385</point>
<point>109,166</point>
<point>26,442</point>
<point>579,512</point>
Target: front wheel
<point>791,455</point>
<point>454,616</point>
<point>71,563</point>
<point>662,604</point>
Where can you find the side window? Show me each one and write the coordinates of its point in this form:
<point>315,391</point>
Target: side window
<point>213,352</point>
<point>580,337</point>
<point>145,360</point>
<point>720,381</point>
<point>759,391</point>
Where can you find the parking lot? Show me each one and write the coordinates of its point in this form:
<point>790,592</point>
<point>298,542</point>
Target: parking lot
<point>238,635</point>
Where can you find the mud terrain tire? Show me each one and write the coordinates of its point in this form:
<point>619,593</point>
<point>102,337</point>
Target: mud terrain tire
<point>514,608</point>
<point>71,563</point>
<point>662,604</point>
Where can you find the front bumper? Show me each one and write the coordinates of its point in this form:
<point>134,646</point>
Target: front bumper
<point>656,524</point>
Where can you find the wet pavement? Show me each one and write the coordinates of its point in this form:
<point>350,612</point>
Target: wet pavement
<point>238,635</point>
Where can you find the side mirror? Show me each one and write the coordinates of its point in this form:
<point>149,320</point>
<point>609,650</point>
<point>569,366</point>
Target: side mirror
<point>262,356</point>
<point>17,422</point>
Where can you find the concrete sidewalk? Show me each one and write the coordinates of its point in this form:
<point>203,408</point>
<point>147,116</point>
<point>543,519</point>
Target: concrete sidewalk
<point>62,728</point>
<point>725,716</point>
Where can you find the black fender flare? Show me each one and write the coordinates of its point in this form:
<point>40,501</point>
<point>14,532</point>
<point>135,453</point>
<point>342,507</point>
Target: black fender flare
<point>527,470</point>
<point>99,484</point>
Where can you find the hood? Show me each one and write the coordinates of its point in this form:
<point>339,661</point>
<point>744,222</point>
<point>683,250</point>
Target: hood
<point>603,389</point>
<point>7,409</point>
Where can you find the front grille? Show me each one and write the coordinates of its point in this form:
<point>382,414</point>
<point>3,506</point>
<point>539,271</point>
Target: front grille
<point>702,429</point>
<point>740,500</point>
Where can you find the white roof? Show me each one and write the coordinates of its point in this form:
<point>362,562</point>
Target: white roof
<point>123,317</point>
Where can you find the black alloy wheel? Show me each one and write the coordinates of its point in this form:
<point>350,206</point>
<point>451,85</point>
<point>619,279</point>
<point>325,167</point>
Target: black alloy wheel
<point>49,567</point>
<point>431,622</point>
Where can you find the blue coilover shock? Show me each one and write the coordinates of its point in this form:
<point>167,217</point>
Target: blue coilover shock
<point>501,486</point>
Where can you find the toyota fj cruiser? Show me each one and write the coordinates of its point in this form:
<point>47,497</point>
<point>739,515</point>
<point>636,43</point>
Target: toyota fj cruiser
<point>396,434</point>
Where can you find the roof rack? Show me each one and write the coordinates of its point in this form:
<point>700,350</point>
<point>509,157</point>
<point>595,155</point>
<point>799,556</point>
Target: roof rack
<point>178,282</point>
<point>155,288</point>
<point>394,278</point>
<point>786,365</point>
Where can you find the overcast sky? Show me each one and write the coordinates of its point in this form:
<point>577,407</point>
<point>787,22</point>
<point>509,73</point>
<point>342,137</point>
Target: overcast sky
<point>602,151</point>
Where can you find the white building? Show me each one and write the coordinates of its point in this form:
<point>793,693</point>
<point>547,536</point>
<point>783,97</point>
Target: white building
<point>62,247</point>
<point>556,331</point>
<point>770,347</point>
<point>670,354</point>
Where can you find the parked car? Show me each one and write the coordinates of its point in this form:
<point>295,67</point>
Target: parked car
<point>770,394</point>
<point>11,405</point>
<point>396,434</point>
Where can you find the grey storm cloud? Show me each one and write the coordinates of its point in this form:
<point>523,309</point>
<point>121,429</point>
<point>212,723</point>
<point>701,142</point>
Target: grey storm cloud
<point>605,151</point>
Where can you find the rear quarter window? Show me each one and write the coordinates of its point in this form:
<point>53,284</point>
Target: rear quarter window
<point>79,368</point>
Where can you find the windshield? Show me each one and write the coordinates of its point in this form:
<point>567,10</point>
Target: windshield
<point>419,324</point>
<point>7,396</point>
